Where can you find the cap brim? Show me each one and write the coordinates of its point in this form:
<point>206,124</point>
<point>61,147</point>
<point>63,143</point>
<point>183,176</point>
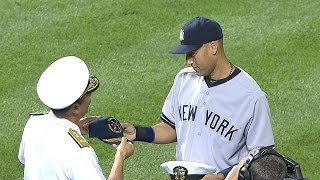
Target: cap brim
<point>184,49</point>
<point>192,167</point>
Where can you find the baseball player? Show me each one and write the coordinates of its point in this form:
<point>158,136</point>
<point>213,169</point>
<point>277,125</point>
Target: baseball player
<point>52,146</point>
<point>215,111</point>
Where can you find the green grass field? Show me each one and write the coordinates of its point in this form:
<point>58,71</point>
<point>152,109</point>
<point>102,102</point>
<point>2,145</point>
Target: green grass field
<point>126,44</point>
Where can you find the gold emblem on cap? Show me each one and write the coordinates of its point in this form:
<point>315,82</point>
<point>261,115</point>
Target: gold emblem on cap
<point>78,138</point>
<point>93,84</point>
<point>114,125</point>
<point>180,173</point>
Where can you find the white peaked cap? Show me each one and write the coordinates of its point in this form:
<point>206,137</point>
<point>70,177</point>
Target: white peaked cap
<point>63,82</point>
<point>192,167</point>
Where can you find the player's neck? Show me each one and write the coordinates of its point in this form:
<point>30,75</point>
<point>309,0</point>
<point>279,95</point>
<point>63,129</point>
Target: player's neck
<point>222,70</point>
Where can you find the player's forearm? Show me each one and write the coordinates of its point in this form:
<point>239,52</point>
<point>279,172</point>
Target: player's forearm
<point>161,133</point>
<point>117,168</point>
<point>164,134</point>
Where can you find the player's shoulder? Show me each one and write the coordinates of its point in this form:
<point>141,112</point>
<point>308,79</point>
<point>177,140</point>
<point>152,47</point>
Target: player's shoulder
<point>186,71</point>
<point>248,83</point>
<point>186,74</point>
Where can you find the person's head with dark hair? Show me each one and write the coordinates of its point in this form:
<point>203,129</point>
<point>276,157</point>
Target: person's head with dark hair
<point>262,164</point>
<point>269,167</point>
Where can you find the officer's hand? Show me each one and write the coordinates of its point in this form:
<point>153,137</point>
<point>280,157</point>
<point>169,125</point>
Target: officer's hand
<point>213,177</point>
<point>125,149</point>
<point>84,123</point>
<point>129,131</point>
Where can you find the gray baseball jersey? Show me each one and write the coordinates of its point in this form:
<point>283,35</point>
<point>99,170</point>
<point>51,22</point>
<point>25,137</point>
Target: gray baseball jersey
<point>217,122</point>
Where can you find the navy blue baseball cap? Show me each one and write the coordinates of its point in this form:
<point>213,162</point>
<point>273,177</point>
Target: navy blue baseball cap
<point>108,129</point>
<point>197,32</point>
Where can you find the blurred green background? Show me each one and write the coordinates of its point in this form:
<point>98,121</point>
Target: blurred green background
<point>126,42</point>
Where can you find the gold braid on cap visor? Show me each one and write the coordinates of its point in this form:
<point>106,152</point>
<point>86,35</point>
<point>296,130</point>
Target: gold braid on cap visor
<point>93,85</point>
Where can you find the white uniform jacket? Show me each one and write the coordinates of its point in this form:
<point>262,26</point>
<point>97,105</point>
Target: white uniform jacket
<point>49,152</point>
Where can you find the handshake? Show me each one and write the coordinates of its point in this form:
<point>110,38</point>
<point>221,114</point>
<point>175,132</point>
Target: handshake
<point>106,128</point>
<point>109,130</point>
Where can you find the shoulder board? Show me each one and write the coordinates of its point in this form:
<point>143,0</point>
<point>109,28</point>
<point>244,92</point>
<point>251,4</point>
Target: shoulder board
<point>78,138</point>
<point>37,113</point>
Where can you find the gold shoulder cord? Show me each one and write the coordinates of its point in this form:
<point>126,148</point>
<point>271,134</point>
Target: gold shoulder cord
<point>78,138</point>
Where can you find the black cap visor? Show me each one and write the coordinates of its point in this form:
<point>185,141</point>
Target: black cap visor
<point>185,49</point>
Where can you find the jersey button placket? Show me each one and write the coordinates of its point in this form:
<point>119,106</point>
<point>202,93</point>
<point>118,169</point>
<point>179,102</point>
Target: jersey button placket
<point>206,93</point>
<point>204,97</point>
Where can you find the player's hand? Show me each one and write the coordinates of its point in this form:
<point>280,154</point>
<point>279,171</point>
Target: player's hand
<point>129,131</point>
<point>84,123</point>
<point>213,177</point>
<point>125,149</point>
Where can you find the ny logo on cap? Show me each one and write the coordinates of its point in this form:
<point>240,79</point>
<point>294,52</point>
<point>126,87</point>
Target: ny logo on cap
<point>181,35</point>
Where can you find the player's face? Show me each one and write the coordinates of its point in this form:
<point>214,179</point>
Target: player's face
<point>201,61</point>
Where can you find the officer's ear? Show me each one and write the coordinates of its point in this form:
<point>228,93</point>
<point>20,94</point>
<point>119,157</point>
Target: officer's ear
<point>75,106</point>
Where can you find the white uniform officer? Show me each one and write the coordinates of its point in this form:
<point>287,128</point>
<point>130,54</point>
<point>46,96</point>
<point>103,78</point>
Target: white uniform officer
<point>52,146</point>
<point>215,111</point>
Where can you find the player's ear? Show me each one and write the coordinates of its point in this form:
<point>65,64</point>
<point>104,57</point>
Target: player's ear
<point>213,47</point>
